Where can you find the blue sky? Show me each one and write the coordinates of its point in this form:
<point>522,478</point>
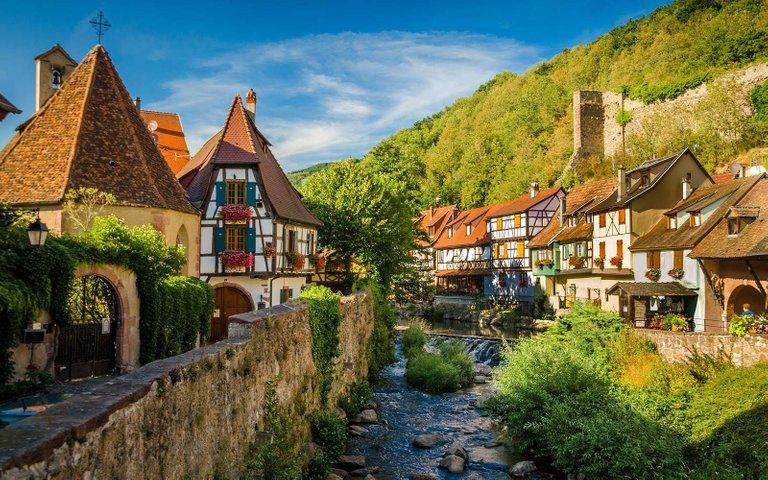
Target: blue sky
<point>332,78</point>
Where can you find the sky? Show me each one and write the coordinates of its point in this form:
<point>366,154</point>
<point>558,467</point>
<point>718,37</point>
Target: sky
<point>332,78</point>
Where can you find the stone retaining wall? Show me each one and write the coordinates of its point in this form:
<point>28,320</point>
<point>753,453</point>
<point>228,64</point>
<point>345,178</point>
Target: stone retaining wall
<point>193,415</point>
<point>676,346</point>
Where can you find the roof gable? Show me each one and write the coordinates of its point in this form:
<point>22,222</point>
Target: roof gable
<point>89,134</point>
<point>522,203</point>
<point>478,235</point>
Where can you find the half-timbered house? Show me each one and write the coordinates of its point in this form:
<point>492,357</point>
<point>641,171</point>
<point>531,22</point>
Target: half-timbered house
<point>432,223</point>
<point>511,226</point>
<point>258,239</point>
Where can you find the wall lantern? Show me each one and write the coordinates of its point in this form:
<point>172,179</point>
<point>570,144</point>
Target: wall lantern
<point>37,232</point>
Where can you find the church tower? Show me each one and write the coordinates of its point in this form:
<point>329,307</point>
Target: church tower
<point>53,68</point>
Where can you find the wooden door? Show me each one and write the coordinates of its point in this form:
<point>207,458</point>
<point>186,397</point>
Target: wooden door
<point>229,301</point>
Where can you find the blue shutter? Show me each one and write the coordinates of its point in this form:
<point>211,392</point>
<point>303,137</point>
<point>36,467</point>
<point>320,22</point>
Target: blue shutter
<point>221,194</point>
<point>220,239</point>
<point>250,193</point>
<point>250,240</point>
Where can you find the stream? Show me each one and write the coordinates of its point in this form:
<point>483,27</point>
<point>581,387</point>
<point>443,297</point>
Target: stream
<point>405,412</point>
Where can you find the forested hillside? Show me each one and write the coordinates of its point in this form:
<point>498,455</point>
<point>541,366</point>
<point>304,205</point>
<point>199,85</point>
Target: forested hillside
<point>487,147</point>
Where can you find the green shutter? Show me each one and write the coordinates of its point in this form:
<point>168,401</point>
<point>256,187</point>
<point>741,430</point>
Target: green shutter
<point>250,193</point>
<point>221,194</point>
<point>250,240</point>
<point>220,239</point>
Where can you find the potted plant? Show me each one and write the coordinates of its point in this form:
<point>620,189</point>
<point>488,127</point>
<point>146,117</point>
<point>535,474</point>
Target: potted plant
<point>295,260</point>
<point>234,261</point>
<point>235,213</point>
<point>599,262</point>
<point>317,261</point>
<point>676,273</point>
<point>617,261</point>
<point>653,274</point>
<point>269,251</point>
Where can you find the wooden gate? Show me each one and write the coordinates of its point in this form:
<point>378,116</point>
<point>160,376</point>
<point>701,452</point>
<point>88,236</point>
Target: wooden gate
<point>86,347</point>
<point>229,301</point>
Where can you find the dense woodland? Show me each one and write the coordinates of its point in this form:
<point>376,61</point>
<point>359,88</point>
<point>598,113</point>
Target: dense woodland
<point>487,148</point>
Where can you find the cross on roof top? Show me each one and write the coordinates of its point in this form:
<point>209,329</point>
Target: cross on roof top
<point>100,24</point>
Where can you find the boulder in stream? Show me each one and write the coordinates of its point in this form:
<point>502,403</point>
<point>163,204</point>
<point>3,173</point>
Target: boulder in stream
<point>364,472</point>
<point>350,462</point>
<point>522,469</point>
<point>366,416</point>
<point>357,431</point>
<point>333,476</point>
<point>424,476</point>
<point>457,449</point>
<point>452,463</point>
<point>479,379</point>
<point>428,440</point>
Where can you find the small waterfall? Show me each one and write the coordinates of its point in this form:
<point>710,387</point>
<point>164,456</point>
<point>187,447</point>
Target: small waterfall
<point>482,350</point>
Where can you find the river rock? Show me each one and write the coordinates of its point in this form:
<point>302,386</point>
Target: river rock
<point>428,440</point>
<point>366,416</point>
<point>339,472</point>
<point>482,401</point>
<point>350,462</point>
<point>357,431</point>
<point>424,476</point>
<point>452,463</point>
<point>333,476</point>
<point>369,477</point>
<point>372,405</point>
<point>363,472</point>
<point>458,450</point>
<point>484,370</point>
<point>340,412</point>
<point>522,469</point>
<point>480,379</point>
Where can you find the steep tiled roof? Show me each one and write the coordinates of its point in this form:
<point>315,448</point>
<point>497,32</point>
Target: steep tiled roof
<point>686,236</point>
<point>522,203</point>
<point>88,134</point>
<point>170,138</point>
<point>241,143</point>
<point>7,106</point>
<point>478,234</point>
<point>723,177</point>
<point>436,218</point>
<point>750,242</point>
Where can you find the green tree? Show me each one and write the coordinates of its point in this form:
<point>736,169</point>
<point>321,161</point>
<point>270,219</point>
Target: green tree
<point>365,215</point>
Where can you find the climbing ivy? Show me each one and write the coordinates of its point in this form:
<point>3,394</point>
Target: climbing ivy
<point>324,321</point>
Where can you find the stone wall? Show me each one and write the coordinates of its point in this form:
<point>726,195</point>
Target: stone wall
<point>193,415</point>
<point>676,346</point>
<point>596,132</point>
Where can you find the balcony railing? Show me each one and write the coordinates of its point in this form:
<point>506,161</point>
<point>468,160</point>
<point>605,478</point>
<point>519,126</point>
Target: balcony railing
<point>465,265</point>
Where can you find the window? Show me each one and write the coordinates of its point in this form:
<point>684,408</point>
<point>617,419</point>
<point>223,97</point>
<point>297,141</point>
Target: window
<point>311,242</point>
<point>498,223</point>
<point>678,262</point>
<point>602,250</point>
<point>590,218</point>
<point>653,259</point>
<point>602,220</point>
<point>620,248</point>
<point>469,229</point>
<point>738,224</point>
<point>450,232</point>
<point>622,216</point>
<point>292,243</point>
<point>646,178</point>
<point>520,249</point>
<point>236,192</point>
<point>286,294</point>
<point>628,183</point>
<point>695,219</point>
<point>502,279</point>
<point>672,222</point>
<point>517,220</point>
<point>235,239</point>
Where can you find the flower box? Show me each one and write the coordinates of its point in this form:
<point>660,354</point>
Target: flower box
<point>544,262</point>
<point>599,262</point>
<point>617,261</point>
<point>653,274</point>
<point>676,273</point>
<point>295,260</point>
<point>577,262</point>
<point>235,213</point>
<point>235,261</point>
<point>317,261</point>
<point>269,251</point>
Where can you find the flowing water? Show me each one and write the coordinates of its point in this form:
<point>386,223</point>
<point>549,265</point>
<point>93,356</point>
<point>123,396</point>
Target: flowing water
<point>409,412</point>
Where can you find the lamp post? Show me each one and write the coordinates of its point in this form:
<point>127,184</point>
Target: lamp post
<point>37,231</point>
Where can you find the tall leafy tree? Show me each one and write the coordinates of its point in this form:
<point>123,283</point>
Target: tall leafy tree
<point>366,216</point>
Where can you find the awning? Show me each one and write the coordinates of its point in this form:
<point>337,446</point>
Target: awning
<point>478,272</point>
<point>651,289</point>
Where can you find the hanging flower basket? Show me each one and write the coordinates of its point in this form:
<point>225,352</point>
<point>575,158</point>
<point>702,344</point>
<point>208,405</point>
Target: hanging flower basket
<point>617,261</point>
<point>295,260</point>
<point>599,262</point>
<point>653,274</point>
<point>676,273</point>
<point>269,251</point>
<point>234,261</point>
<point>235,213</point>
<point>317,261</point>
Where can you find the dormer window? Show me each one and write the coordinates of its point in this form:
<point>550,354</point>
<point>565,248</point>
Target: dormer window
<point>628,182</point>
<point>646,178</point>
<point>737,225</point>
<point>695,219</point>
<point>672,222</point>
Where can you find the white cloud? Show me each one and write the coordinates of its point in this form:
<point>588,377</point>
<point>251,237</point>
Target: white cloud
<point>324,97</point>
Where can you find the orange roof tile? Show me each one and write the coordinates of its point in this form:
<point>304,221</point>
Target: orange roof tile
<point>436,219</point>
<point>170,138</point>
<point>88,134</point>
<point>478,234</point>
<point>521,203</point>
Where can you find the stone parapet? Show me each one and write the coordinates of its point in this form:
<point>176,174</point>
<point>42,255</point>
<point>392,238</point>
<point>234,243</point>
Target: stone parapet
<point>677,346</point>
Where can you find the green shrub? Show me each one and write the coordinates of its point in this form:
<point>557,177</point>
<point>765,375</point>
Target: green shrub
<point>329,432</point>
<point>623,117</point>
<point>665,91</point>
<point>456,353</point>
<point>324,321</point>
<point>433,373</point>
<point>760,102</point>
<point>359,394</point>
<point>413,340</point>
<point>380,352</point>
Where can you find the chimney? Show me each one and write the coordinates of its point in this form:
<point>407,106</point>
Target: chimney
<point>534,189</point>
<point>622,187</point>
<point>250,104</point>
<point>137,101</point>
<point>686,187</point>
<point>431,212</point>
<point>562,211</point>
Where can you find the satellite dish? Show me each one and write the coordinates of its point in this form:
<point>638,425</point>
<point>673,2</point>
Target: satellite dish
<point>735,168</point>
<point>152,126</point>
<point>155,137</point>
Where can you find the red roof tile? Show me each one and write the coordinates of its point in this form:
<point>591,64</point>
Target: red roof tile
<point>478,234</point>
<point>521,203</point>
<point>88,134</point>
<point>436,218</point>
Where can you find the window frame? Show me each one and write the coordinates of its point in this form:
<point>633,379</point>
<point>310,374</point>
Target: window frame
<point>234,192</point>
<point>234,236</point>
